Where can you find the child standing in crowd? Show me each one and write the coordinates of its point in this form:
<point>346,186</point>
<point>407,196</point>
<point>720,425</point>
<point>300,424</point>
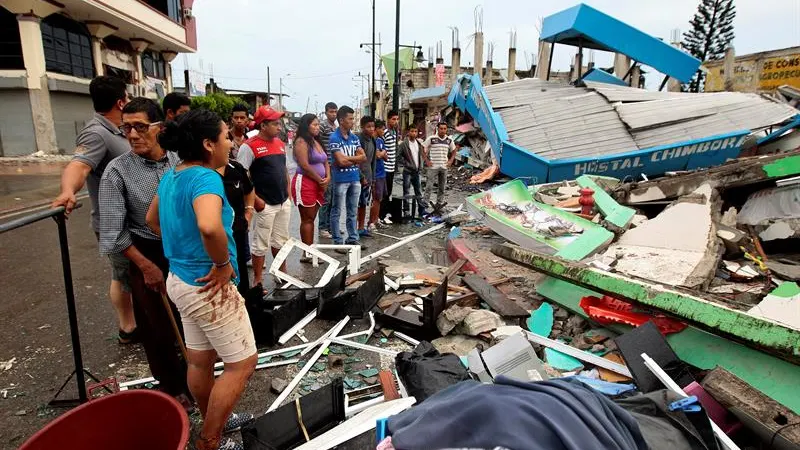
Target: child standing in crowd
<point>440,152</point>
<point>379,185</point>
<point>412,156</point>
<point>367,169</point>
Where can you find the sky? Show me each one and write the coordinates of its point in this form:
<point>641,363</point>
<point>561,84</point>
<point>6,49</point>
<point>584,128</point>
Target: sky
<point>313,45</point>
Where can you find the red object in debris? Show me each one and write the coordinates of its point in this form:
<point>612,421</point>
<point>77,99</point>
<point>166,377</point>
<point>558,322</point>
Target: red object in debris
<point>609,310</point>
<point>130,420</point>
<point>587,200</point>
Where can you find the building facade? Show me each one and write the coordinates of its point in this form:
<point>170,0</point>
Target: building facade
<point>761,72</point>
<point>51,49</point>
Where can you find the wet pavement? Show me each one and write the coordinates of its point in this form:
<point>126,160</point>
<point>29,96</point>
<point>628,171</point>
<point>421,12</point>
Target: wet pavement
<point>36,332</point>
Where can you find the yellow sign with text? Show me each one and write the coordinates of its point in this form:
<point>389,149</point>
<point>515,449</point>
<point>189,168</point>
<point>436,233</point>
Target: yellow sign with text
<point>779,71</point>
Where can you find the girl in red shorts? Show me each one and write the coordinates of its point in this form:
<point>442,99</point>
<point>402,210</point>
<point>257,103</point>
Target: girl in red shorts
<point>312,177</point>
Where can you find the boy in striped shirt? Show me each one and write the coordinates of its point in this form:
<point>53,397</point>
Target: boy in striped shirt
<point>390,138</point>
<point>440,152</point>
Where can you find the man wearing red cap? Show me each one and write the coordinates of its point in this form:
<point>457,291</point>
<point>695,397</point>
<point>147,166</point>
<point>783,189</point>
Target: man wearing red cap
<point>264,155</point>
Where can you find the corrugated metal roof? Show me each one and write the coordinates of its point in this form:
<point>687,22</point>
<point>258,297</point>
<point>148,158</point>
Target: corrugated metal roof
<point>559,121</point>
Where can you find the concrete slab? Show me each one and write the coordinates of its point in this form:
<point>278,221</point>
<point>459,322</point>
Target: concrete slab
<point>678,247</point>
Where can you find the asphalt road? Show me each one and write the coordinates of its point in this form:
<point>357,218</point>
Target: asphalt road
<point>35,331</point>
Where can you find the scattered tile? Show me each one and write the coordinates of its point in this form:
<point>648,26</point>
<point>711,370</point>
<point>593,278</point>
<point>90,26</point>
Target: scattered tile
<point>352,383</point>
<point>319,367</point>
<point>368,373</point>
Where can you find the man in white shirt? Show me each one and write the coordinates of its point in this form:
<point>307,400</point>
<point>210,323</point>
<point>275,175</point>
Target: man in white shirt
<point>440,152</point>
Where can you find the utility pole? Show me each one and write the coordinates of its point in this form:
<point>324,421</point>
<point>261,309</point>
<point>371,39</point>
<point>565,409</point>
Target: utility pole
<point>280,93</point>
<point>186,83</point>
<point>372,74</point>
<point>396,87</point>
<point>269,89</point>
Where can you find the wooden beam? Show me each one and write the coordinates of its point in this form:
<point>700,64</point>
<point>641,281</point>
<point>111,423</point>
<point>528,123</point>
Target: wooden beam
<point>754,331</point>
<point>493,297</point>
<point>454,268</point>
<point>736,395</point>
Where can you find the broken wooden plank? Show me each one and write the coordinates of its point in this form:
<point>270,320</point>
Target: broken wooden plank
<point>755,331</point>
<point>472,299</point>
<point>772,376</point>
<point>361,276</point>
<point>497,300</point>
<point>388,385</point>
<point>454,268</point>
<point>743,400</point>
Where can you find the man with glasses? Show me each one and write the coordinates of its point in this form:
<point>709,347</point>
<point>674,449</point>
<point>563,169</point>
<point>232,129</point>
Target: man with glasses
<point>97,144</point>
<point>127,188</point>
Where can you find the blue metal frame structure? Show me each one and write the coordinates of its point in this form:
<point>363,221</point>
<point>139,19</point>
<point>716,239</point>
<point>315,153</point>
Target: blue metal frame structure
<point>584,26</point>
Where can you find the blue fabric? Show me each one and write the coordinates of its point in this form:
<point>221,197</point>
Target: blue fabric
<point>380,165</point>
<point>547,415</point>
<point>325,210</point>
<point>183,245</point>
<point>604,386</point>
<point>345,196</point>
<point>349,146</point>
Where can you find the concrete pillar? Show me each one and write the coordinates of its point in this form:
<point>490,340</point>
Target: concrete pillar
<point>30,32</point>
<point>169,56</point>
<point>578,66</point>
<point>478,61</point>
<point>543,66</point>
<point>99,31</point>
<point>139,46</point>
<point>673,85</point>
<point>636,72</point>
<point>728,67</point>
<point>455,69</point>
<point>622,64</point>
<point>512,64</point>
<point>487,74</point>
<point>431,75</point>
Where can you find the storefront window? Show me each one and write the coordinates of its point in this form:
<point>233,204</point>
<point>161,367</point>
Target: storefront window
<point>67,47</point>
<point>10,47</point>
<point>153,65</point>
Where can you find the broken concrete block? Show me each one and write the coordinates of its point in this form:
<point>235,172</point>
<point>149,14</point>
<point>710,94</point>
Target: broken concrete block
<point>515,358</point>
<point>678,247</point>
<point>451,317</point>
<point>278,385</point>
<point>457,344</point>
<point>781,305</point>
<point>480,321</point>
<point>395,269</point>
<point>371,381</point>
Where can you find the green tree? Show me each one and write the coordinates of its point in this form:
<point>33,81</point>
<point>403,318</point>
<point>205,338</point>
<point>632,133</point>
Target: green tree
<point>710,36</point>
<point>222,104</point>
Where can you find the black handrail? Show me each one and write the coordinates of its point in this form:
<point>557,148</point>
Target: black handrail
<point>58,214</point>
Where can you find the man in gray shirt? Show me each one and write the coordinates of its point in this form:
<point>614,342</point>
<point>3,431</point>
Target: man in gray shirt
<point>367,169</point>
<point>98,143</point>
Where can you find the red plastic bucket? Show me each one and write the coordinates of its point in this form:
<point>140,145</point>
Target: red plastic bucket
<point>130,420</point>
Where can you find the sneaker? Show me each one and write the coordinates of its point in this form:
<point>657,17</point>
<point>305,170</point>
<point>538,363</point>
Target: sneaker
<point>235,423</point>
<point>306,260</point>
<point>325,234</point>
<point>229,444</point>
<point>364,233</point>
<point>387,220</point>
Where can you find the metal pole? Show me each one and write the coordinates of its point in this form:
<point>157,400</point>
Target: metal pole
<point>269,89</point>
<point>396,87</point>
<point>186,83</point>
<point>71,311</point>
<point>550,62</point>
<point>280,93</point>
<point>372,74</point>
<point>664,83</point>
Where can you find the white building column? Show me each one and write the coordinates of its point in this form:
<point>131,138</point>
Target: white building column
<point>99,31</point>
<point>30,32</point>
<point>169,56</point>
<point>622,64</point>
<point>139,46</point>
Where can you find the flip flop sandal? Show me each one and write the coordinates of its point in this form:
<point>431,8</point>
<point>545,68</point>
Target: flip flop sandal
<point>126,338</point>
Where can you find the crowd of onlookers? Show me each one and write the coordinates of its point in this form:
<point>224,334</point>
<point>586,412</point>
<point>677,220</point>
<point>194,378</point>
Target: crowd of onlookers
<point>175,193</point>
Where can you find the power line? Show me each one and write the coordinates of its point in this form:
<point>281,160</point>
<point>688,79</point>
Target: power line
<point>345,72</point>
